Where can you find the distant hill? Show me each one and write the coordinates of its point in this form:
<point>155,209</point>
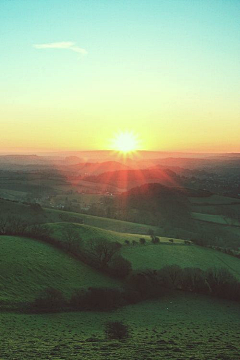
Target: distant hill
<point>128,179</point>
<point>156,204</point>
<point>97,168</point>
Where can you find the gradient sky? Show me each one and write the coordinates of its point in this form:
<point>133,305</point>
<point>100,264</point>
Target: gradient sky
<point>167,70</point>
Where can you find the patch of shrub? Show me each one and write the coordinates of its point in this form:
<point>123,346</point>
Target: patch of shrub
<point>147,283</point>
<point>142,241</point>
<point>116,330</point>
<point>102,299</point>
<point>50,300</point>
<point>155,239</point>
<point>119,266</point>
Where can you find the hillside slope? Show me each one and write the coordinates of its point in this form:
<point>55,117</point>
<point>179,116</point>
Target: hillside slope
<point>28,266</point>
<point>158,256</point>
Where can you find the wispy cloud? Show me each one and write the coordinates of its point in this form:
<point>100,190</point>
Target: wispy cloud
<point>67,45</point>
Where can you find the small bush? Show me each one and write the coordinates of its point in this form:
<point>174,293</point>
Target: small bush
<point>119,266</point>
<point>155,240</point>
<point>142,241</point>
<point>116,330</point>
<point>102,299</point>
<point>50,300</point>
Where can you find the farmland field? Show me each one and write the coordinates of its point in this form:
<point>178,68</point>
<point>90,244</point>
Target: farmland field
<point>52,215</point>
<point>87,232</point>
<point>157,256</point>
<point>106,223</point>
<point>182,326</point>
<point>214,200</point>
<point>28,267</point>
<point>218,219</point>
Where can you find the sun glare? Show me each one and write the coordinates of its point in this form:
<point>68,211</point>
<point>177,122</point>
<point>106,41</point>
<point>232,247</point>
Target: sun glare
<point>125,142</point>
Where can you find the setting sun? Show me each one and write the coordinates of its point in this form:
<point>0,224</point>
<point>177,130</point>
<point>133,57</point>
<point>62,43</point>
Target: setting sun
<point>125,142</point>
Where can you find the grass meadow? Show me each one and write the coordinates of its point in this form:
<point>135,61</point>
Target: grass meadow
<point>180,326</point>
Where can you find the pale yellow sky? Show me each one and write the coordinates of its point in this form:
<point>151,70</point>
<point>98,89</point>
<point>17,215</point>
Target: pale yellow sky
<point>74,76</point>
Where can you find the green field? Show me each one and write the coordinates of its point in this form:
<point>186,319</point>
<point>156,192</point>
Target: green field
<point>106,223</point>
<point>179,327</point>
<point>52,215</point>
<point>28,266</point>
<point>157,256</point>
<point>87,232</point>
<point>217,219</point>
<point>214,200</point>
<point>12,194</point>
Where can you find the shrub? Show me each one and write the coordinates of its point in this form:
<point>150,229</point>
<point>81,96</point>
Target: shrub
<point>117,330</point>
<point>147,283</point>
<point>142,241</point>
<point>193,279</point>
<point>221,283</point>
<point>171,275</point>
<point>119,266</point>
<point>155,240</point>
<point>50,300</point>
<point>102,299</point>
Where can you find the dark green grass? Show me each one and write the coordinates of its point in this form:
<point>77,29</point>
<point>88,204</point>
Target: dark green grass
<point>157,256</point>
<point>28,266</point>
<point>177,327</point>
<point>217,219</point>
<point>214,200</point>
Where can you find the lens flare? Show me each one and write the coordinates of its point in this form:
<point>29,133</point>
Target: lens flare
<point>125,142</point>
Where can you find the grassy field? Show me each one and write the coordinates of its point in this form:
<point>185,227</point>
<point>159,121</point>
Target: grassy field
<point>180,326</point>
<point>157,256</point>
<point>106,223</point>
<point>87,199</point>
<point>52,215</point>
<point>87,232</point>
<point>217,219</point>
<point>12,194</point>
<point>28,266</point>
<point>214,200</point>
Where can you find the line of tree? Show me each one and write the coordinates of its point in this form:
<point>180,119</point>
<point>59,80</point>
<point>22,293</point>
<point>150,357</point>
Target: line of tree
<point>98,253</point>
<point>142,286</point>
<point>217,282</point>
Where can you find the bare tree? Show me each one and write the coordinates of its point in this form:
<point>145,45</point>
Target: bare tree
<point>72,237</point>
<point>102,251</point>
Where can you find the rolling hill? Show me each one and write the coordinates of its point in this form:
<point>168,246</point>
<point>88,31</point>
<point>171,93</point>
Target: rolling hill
<point>127,179</point>
<point>27,267</point>
<point>155,256</point>
<point>97,167</point>
<point>158,256</point>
